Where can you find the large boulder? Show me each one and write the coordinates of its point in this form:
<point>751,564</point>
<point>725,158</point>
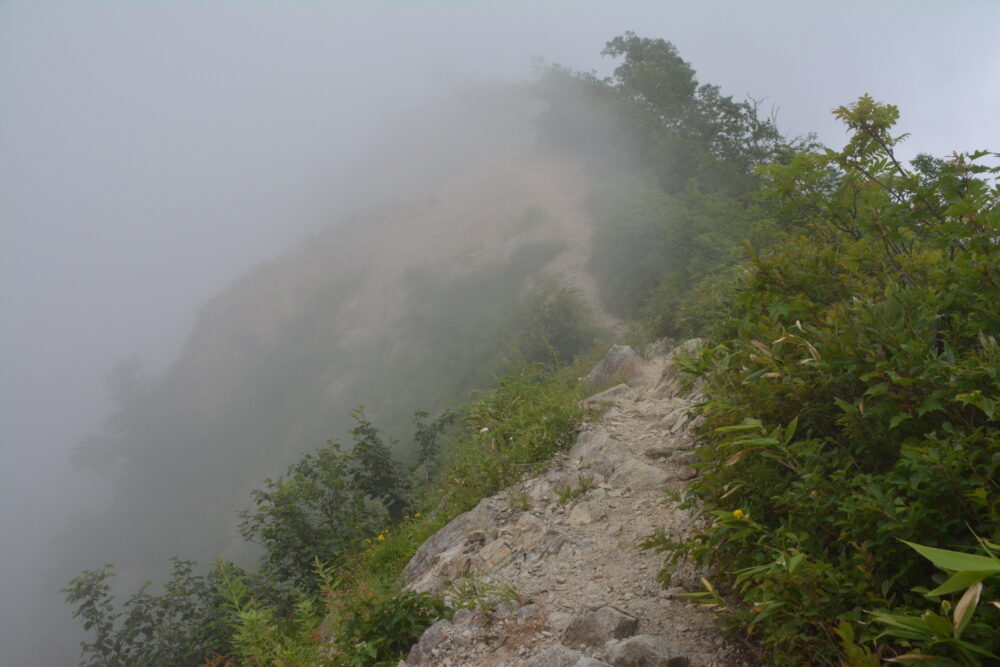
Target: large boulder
<point>637,475</point>
<point>645,651</point>
<point>598,452</point>
<point>595,628</point>
<point>435,636</point>
<point>446,545</point>
<point>560,656</point>
<point>620,364</point>
<point>607,397</point>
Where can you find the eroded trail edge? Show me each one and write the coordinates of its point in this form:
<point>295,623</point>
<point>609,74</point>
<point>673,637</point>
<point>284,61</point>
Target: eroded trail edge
<point>553,565</point>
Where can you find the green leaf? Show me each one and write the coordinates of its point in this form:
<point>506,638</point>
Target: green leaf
<point>977,399</point>
<point>746,425</point>
<point>795,561</point>
<point>877,389</point>
<point>930,404</point>
<point>898,419</point>
<point>790,430</point>
<point>906,626</point>
<point>938,624</point>
<point>959,582</point>
<point>757,441</point>
<point>956,560</point>
<point>844,405</point>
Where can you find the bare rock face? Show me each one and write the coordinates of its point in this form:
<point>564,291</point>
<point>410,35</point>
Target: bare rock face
<point>422,652</point>
<point>620,364</point>
<point>645,651</point>
<point>560,656</point>
<point>598,450</point>
<point>635,474</point>
<point>594,628</point>
<point>607,396</point>
<point>670,383</point>
<point>586,513</point>
<point>445,547</point>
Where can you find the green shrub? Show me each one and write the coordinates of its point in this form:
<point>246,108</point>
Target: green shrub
<point>963,635</point>
<point>521,423</point>
<point>382,631</point>
<point>180,626</point>
<point>263,634</point>
<point>852,401</point>
<point>317,511</point>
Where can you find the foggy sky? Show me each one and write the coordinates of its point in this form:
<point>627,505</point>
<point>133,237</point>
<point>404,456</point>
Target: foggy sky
<point>150,153</point>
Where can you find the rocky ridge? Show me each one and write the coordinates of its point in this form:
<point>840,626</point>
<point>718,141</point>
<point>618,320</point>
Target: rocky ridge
<point>551,569</point>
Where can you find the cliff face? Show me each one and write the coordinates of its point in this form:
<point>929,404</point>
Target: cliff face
<point>400,309</point>
<point>557,555</point>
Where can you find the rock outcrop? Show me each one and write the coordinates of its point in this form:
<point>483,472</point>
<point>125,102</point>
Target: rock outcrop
<point>559,553</point>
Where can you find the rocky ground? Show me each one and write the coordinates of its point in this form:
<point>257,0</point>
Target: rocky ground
<point>552,568</point>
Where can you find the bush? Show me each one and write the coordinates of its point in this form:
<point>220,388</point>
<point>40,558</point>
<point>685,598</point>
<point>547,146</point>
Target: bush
<point>180,626</point>
<point>382,631</point>
<point>852,402</point>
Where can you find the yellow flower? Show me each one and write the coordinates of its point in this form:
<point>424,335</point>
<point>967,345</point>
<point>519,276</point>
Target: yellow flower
<point>417,515</point>
<point>738,514</point>
<point>381,536</point>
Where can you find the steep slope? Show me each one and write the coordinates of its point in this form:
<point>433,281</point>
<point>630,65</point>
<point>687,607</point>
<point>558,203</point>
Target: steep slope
<point>404,308</point>
<point>558,554</point>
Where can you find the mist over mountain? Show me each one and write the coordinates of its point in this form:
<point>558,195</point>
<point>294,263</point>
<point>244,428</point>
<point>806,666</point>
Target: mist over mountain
<point>403,306</point>
<point>224,229</point>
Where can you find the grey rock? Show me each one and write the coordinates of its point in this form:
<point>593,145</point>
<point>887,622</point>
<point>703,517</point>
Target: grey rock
<point>686,458</point>
<point>433,637</point>
<point>607,396</point>
<point>463,616</point>
<point>645,651</point>
<point>494,556</point>
<point>598,452</point>
<point>594,628</point>
<point>480,518</point>
<point>670,381</point>
<point>538,490</point>
<point>638,475</point>
<point>528,611</point>
<point>686,473</point>
<point>659,348</point>
<point>620,364</point>
<point>505,608</point>
<point>659,452</point>
<point>594,444</point>
<point>586,513</point>
<point>560,656</point>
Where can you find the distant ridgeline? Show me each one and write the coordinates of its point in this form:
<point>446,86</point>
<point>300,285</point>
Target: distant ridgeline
<point>852,306</point>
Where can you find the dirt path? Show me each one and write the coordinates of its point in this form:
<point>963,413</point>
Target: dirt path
<point>566,542</point>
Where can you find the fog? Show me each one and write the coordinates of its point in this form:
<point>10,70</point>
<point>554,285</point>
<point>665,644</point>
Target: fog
<point>150,154</point>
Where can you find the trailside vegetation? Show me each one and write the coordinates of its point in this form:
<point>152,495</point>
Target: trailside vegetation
<point>676,194</point>
<point>852,415</point>
<point>852,375</point>
<point>335,533</point>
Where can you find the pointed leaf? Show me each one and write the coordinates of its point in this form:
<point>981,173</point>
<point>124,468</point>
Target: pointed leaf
<point>965,608</point>
<point>959,581</point>
<point>956,560</point>
<point>795,561</point>
<point>790,430</point>
<point>938,624</point>
<point>898,419</point>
